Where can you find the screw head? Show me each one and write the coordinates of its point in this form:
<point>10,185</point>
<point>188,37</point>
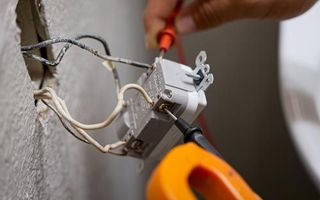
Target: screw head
<point>168,93</point>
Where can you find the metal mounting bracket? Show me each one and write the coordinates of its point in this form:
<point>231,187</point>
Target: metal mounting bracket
<point>202,70</point>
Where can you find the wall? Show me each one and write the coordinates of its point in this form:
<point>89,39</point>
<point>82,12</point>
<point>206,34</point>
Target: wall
<point>39,160</point>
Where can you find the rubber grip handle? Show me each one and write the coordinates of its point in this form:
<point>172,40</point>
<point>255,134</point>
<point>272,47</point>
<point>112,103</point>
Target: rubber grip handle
<point>194,134</point>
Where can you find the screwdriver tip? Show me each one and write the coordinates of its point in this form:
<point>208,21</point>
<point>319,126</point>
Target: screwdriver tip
<point>162,52</point>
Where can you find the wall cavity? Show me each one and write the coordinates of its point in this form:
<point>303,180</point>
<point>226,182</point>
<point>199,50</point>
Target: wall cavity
<point>31,21</point>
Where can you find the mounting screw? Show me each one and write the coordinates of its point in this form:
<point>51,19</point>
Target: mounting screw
<point>137,146</point>
<point>168,93</point>
<point>163,106</point>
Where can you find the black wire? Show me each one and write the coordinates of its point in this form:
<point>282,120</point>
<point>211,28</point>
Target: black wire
<point>44,54</point>
<point>61,54</point>
<point>45,43</point>
<point>106,50</point>
<point>64,50</point>
<point>44,73</point>
<point>98,38</point>
<point>63,123</point>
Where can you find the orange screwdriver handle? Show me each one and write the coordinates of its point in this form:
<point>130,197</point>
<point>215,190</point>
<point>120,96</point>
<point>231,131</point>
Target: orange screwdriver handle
<point>189,166</point>
<point>166,37</point>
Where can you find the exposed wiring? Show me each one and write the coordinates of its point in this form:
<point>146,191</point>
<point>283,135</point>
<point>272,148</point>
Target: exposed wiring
<point>44,53</point>
<point>60,108</point>
<point>106,50</point>
<point>25,50</point>
<point>62,121</point>
<point>65,48</point>
<point>48,92</point>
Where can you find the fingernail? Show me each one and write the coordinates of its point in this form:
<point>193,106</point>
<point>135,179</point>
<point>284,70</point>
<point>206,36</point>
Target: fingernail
<point>185,24</point>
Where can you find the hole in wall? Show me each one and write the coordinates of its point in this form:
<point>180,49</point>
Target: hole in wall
<point>30,20</point>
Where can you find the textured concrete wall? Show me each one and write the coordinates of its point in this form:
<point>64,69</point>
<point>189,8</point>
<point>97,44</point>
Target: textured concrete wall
<point>38,159</point>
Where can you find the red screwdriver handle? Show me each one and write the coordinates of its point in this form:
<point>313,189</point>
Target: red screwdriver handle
<point>167,36</point>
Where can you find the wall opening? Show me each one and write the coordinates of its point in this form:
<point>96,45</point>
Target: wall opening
<point>31,21</point>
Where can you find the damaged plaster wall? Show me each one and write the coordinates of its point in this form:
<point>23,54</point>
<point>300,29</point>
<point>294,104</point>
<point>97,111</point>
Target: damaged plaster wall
<point>38,158</point>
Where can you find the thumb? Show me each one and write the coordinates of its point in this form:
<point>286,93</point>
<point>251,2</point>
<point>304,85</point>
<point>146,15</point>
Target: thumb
<point>203,14</point>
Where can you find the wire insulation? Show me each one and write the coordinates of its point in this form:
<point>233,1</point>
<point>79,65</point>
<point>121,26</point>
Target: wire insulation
<point>55,99</point>
<point>64,50</point>
<point>62,121</point>
<point>25,50</point>
<point>60,108</point>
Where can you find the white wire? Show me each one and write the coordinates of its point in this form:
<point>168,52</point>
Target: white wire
<point>85,135</point>
<point>62,110</point>
<point>55,99</point>
<point>61,107</point>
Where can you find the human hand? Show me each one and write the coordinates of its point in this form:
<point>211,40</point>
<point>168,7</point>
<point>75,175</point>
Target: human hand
<point>204,14</point>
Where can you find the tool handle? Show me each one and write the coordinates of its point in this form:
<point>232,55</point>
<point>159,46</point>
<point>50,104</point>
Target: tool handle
<point>167,36</point>
<point>202,142</point>
<point>194,134</point>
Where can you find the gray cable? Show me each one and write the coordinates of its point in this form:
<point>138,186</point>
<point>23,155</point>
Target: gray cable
<point>64,50</point>
<point>45,43</point>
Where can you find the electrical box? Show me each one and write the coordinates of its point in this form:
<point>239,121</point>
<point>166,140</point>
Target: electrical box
<point>149,131</point>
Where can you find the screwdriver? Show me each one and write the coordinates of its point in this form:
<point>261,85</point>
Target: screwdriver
<point>167,36</point>
<point>192,134</point>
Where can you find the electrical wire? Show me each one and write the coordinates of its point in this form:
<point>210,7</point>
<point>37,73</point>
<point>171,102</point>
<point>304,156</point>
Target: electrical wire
<point>62,121</point>
<point>105,149</point>
<point>65,48</point>
<point>60,108</point>
<point>25,50</point>
<point>55,99</point>
<point>107,51</point>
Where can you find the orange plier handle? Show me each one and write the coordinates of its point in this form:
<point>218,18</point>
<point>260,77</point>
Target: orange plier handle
<point>189,166</point>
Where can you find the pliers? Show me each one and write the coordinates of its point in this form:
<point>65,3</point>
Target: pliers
<point>196,166</point>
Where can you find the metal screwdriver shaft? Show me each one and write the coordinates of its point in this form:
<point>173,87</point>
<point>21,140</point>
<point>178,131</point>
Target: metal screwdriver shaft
<point>170,114</point>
